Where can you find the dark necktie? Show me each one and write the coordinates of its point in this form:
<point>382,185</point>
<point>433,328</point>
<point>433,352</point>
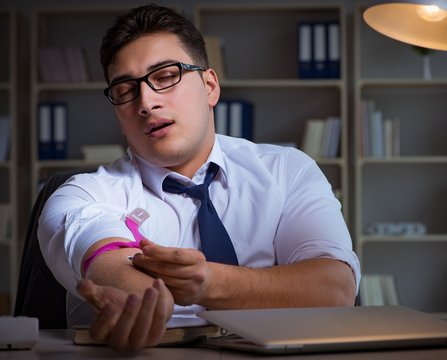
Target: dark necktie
<point>216,243</point>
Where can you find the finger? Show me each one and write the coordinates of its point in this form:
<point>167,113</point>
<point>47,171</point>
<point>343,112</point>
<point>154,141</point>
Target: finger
<point>123,327</point>
<point>146,242</point>
<point>139,336</point>
<point>173,255</point>
<point>161,269</point>
<point>90,292</point>
<point>162,313</point>
<point>104,322</point>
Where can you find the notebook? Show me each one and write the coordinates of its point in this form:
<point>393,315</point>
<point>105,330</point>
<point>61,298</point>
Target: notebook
<point>307,330</point>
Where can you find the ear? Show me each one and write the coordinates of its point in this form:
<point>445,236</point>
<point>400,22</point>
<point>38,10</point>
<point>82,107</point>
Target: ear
<point>212,86</point>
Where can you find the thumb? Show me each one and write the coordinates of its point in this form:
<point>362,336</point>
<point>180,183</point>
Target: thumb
<point>90,292</point>
<point>146,242</point>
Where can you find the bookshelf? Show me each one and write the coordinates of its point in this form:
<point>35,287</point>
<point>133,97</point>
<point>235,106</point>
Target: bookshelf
<point>8,164</point>
<point>408,187</point>
<point>90,120</point>
<point>260,65</point>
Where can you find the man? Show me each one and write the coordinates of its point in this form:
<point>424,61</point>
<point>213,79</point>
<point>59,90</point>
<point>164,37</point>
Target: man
<point>290,246</point>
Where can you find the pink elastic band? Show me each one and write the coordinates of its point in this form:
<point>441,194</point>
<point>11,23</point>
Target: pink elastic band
<point>133,221</point>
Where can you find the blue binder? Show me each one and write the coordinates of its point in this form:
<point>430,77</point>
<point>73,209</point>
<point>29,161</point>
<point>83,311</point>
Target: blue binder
<point>333,50</point>
<point>319,51</point>
<point>305,57</point>
<point>234,118</point>
<point>52,130</point>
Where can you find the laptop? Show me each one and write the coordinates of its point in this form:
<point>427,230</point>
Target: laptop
<point>308,330</point>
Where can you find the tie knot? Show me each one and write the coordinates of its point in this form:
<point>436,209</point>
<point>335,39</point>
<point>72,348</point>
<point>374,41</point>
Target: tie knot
<point>198,192</point>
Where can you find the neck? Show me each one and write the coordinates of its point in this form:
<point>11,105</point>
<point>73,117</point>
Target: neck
<point>189,168</point>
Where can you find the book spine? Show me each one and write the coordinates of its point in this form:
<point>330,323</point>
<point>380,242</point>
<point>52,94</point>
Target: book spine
<point>4,137</point>
<point>333,46</point>
<point>320,51</point>
<point>221,117</point>
<point>305,63</point>
<point>45,131</point>
<point>59,131</point>
<point>52,131</point>
<point>241,119</point>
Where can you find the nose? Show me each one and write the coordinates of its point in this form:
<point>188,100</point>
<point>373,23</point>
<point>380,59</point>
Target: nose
<point>149,100</point>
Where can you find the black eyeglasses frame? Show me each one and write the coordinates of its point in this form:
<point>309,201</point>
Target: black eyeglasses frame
<point>145,79</point>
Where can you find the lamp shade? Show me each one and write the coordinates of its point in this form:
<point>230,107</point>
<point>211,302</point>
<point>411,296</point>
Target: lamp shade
<point>420,23</point>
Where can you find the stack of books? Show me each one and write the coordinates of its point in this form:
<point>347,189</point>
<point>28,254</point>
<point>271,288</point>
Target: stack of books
<point>63,64</point>
<point>321,138</point>
<point>172,336</point>
<point>378,290</point>
<point>379,135</point>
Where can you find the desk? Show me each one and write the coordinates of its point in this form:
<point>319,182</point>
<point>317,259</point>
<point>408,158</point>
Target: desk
<point>56,345</point>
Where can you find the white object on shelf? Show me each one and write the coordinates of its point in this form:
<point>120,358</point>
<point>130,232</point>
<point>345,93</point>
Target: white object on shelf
<point>102,153</point>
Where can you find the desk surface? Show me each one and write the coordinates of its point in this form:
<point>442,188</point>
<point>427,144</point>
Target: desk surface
<point>57,345</point>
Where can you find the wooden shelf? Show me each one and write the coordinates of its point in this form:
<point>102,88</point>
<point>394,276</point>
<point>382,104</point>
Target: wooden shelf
<point>409,188</point>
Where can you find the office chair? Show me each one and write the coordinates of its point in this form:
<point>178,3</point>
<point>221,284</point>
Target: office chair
<point>39,294</point>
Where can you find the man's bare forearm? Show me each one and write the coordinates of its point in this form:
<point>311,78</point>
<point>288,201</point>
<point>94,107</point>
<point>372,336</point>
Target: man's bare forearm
<point>315,282</point>
<point>113,268</point>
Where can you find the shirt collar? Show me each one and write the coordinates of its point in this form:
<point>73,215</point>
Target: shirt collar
<point>153,176</point>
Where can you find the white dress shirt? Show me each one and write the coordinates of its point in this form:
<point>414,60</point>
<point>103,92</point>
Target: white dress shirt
<point>275,203</point>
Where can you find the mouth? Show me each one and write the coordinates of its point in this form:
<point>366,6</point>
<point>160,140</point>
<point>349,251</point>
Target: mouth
<point>158,125</point>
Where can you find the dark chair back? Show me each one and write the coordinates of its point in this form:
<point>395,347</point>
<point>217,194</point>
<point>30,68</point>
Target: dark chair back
<point>39,294</point>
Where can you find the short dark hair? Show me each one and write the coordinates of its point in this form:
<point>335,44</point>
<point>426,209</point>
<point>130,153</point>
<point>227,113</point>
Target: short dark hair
<point>150,19</point>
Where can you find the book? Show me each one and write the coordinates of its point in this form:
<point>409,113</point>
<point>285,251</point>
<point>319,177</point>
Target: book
<point>4,137</point>
<point>52,130</point>
<point>5,218</point>
<point>63,64</point>
<point>331,143</point>
<point>75,64</point>
<point>377,134</point>
<point>44,131</point>
<point>396,137</point>
<point>333,50</point>
<point>378,290</point>
<point>319,53</point>
<point>313,136</point>
<point>240,122</point>
<point>60,132</point>
<point>52,65</point>
<point>305,65</point>
<point>319,50</point>
<point>214,49</point>
<point>80,335</point>
<point>388,134</point>
<point>234,118</point>
<point>221,118</point>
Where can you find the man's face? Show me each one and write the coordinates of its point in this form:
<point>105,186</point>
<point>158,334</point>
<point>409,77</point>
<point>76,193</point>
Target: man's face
<point>173,128</point>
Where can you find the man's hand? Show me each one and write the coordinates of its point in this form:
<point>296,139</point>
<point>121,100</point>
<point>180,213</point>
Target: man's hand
<point>185,271</point>
<point>126,321</point>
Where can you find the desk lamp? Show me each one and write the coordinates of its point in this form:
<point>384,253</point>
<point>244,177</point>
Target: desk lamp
<point>420,23</point>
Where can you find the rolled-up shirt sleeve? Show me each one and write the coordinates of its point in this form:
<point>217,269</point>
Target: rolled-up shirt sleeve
<point>312,225</point>
<point>73,220</point>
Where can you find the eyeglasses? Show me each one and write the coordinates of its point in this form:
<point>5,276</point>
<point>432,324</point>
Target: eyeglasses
<point>159,79</point>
